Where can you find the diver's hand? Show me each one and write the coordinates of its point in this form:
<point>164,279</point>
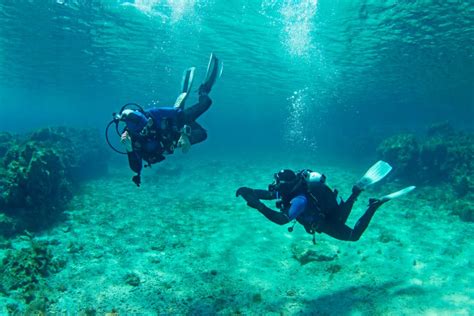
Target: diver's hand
<point>244,192</point>
<point>137,180</point>
<point>249,195</point>
<point>126,141</point>
<point>184,143</point>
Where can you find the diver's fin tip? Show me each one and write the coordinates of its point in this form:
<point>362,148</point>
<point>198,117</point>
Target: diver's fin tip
<point>214,71</point>
<point>398,193</point>
<point>179,103</point>
<point>186,85</point>
<point>187,81</point>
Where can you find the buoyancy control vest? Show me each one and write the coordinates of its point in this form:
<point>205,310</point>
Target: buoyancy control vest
<point>322,201</point>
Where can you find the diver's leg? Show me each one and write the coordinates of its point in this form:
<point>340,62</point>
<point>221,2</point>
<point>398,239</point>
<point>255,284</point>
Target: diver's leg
<point>193,112</point>
<point>341,231</point>
<point>135,161</point>
<point>336,230</point>
<point>345,207</point>
<point>198,133</point>
<point>365,219</point>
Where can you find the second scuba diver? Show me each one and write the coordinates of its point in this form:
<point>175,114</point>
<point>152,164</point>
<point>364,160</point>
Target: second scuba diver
<point>304,196</point>
<point>151,134</point>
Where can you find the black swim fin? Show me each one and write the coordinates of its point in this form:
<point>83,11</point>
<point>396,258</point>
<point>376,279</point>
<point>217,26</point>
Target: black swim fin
<point>214,71</point>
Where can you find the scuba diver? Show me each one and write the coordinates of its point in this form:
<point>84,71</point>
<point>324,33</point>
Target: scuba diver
<point>151,134</point>
<point>304,197</point>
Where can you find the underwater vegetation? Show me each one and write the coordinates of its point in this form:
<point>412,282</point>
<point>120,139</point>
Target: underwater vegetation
<point>39,172</point>
<point>23,273</point>
<point>442,156</point>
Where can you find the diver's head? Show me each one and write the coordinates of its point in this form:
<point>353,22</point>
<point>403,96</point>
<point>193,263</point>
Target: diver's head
<point>285,182</point>
<point>135,120</point>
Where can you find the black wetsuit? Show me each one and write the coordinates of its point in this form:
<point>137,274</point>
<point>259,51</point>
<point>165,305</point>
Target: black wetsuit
<point>322,213</point>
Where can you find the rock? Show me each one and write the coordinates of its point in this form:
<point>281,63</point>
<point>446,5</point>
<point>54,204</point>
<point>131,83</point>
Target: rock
<point>334,268</point>
<point>39,172</point>
<point>443,157</point>
<point>464,209</point>
<point>132,279</point>
<point>402,152</point>
<point>24,271</point>
<point>311,255</point>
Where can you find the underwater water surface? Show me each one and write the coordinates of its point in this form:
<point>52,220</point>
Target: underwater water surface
<point>327,85</point>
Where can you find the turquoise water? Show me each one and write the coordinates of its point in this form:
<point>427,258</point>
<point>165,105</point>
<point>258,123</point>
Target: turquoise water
<point>306,84</point>
<point>310,68</point>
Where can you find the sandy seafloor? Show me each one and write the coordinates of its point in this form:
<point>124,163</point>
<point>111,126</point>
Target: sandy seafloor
<point>199,250</point>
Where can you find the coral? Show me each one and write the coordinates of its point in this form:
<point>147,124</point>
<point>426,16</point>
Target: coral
<point>22,271</point>
<point>402,151</point>
<point>6,141</point>
<point>443,156</point>
<point>39,182</point>
<point>39,172</point>
<point>464,209</point>
<point>7,225</point>
<point>440,129</point>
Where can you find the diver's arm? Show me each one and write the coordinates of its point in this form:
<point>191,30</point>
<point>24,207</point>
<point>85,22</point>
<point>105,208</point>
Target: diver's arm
<point>279,218</point>
<point>264,194</point>
<point>259,194</point>
<point>298,205</point>
<point>253,200</point>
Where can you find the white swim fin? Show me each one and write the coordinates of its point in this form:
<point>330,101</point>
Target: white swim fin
<point>375,173</point>
<point>399,193</point>
<point>186,84</point>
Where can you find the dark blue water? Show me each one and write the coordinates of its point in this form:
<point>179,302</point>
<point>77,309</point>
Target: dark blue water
<point>318,74</point>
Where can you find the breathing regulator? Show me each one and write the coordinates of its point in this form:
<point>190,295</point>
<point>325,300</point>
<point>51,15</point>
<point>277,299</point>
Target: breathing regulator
<point>117,118</point>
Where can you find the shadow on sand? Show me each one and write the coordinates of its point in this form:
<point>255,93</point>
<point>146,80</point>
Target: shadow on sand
<point>363,300</point>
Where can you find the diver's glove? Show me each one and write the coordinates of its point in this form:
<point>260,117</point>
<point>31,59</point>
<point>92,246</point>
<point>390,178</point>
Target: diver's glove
<point>137,180</point>
<point>254,202</point>
<point>184,141</point>
<point>243,191</point>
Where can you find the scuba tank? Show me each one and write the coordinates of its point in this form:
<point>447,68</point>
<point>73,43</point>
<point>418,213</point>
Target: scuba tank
<point>311,177</point>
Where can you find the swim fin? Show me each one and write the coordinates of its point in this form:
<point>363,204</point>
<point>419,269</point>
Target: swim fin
<point>399,193</point>
<point>214,71</point>
<point>375,173</point>
<point>186,84</point>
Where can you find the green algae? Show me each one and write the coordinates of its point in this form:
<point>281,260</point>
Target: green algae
<point>40,173</point>
<point>23,273</point>
<point>443,156</point>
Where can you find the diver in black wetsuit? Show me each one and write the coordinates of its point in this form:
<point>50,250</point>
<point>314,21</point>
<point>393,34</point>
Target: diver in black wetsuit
<point>151,134</point>
<point>303,196</point>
